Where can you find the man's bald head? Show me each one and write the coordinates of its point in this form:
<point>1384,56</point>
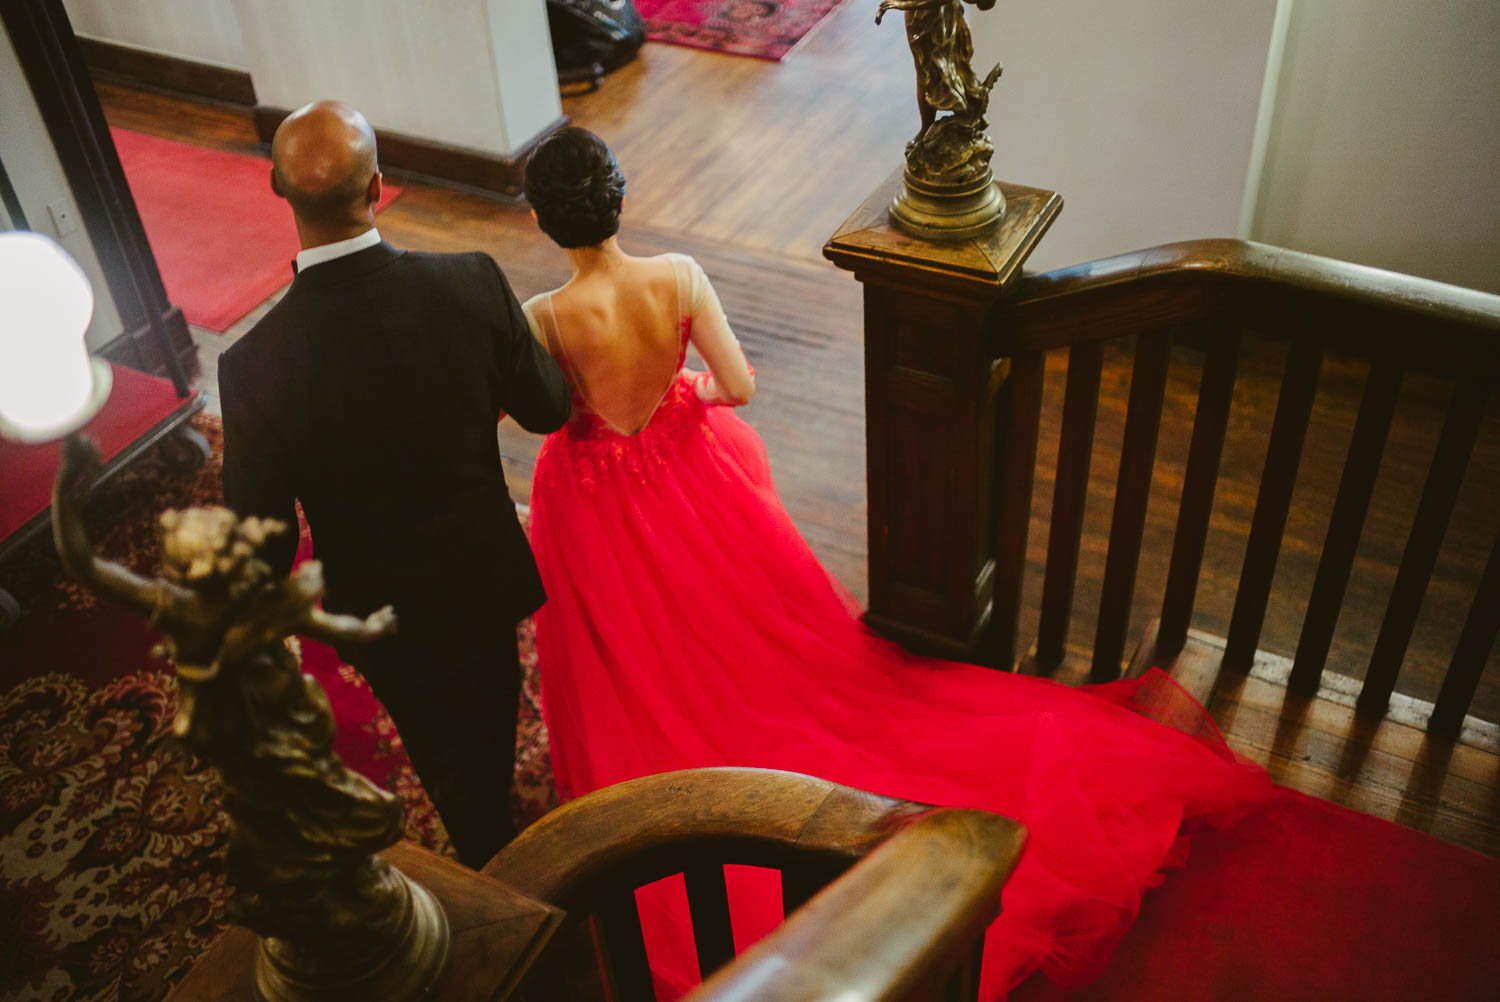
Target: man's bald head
<point>323,163</point>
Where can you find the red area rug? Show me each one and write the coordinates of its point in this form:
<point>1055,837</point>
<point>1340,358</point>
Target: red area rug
<point>111,836</point>
<point>766,29</point>
<point>222,239</point>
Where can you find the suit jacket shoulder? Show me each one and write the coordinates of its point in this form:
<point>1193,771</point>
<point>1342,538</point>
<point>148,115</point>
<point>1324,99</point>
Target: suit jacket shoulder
<point>370,394</point>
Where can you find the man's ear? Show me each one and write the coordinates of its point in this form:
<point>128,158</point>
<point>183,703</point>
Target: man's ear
<point>372,193</point>
<point>276,185</point>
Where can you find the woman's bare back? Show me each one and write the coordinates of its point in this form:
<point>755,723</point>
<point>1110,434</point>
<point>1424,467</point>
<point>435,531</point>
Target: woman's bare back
<point>619,333</point>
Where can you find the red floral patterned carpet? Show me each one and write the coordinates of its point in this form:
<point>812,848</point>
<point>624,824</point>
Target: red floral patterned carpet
<point>767,29</point>
<point>110,833</point>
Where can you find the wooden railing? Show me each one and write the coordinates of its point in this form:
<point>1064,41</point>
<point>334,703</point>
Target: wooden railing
<point>909,916</point>
<point>1210,296</point>
<point>907,922</point>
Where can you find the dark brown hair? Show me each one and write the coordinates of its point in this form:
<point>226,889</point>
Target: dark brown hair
<point>573,181</point>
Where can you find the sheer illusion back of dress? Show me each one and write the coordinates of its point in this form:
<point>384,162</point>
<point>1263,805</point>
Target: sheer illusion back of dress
<point>622,344</point>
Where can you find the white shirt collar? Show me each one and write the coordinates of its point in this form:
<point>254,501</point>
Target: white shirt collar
<point>327,252</point>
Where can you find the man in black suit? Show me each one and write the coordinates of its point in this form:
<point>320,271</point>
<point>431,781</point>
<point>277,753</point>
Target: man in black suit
<point>371,393</point>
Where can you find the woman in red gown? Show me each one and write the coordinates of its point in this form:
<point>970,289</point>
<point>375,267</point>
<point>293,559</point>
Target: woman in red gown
<point>688,624</point>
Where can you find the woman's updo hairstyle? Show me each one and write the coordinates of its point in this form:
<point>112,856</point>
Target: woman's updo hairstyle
<point>574,183</point>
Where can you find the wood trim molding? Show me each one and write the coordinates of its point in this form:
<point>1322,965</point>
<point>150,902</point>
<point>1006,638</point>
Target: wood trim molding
<point>428,159</point>
<point>164,72</point>
<point>156,338</point>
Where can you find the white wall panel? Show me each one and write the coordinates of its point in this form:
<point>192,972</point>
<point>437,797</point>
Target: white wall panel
<point>469,73</point>
<point>205,31</point>
<point>1140,113</point>
<point>1384,145</point>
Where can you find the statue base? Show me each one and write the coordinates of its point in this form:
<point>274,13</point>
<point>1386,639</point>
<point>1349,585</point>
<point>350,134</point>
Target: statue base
<point>410,968</point>
<point>947,212</point>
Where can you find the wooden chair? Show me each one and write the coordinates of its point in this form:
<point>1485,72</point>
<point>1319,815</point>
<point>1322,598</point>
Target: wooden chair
<point>907,918</point>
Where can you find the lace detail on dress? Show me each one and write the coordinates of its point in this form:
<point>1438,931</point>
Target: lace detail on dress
<point>588,448</point>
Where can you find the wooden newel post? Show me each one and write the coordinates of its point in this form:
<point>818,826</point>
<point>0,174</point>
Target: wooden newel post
<point>932,384</point>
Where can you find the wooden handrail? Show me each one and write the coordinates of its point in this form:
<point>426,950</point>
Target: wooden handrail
<point>652,827</point>
<point>1209,295</point>
<point>1196,280</point>
<point>893,924</point>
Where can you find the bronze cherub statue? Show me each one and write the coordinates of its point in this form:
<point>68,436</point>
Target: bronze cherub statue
<point>303,849</point>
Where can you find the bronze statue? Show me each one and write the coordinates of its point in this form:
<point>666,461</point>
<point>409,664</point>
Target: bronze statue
<point>949,191</point>
<point>306,830</point>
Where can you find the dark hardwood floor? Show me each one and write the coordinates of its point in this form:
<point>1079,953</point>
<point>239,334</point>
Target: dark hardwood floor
<point>750,166</point>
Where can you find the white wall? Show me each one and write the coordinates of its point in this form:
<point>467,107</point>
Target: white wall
<point>1140,113</point>
<point>37,175</point>
<point>1384,146</point>
<point>202,30</point>
<point>471,73</point>
<point>525,73</point>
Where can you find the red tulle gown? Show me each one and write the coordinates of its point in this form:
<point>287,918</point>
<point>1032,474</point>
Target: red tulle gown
<point>688,624</point>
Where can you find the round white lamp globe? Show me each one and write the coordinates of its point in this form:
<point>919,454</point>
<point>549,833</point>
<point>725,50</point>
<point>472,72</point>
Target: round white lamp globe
<point>48,384</point>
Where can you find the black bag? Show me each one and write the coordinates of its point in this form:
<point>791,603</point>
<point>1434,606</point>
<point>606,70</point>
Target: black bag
<point>589,32</point>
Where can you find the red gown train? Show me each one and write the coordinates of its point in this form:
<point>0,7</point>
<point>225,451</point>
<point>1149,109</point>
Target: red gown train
<point>688,624</point>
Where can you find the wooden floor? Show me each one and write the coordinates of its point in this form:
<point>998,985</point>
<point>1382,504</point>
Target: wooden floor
<point>749,166</point>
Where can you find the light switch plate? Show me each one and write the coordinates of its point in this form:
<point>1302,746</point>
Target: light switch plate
<point>63,220</point>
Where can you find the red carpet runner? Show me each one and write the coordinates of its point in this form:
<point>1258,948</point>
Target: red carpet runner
<point>221,237</point>
<point>766,29</point>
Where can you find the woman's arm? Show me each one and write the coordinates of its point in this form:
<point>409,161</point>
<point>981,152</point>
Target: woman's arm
<point>730,379</point>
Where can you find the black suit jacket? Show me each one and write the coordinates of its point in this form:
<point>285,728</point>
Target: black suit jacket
<point>371,393</point>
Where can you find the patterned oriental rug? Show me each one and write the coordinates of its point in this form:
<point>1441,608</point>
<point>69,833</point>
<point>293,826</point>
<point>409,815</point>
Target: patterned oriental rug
<point>111,835</point>
<point>766,29</point>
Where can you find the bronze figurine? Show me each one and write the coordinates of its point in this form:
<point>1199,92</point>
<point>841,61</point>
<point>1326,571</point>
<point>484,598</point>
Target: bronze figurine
<point>303,850</point>
<point>950,192</point>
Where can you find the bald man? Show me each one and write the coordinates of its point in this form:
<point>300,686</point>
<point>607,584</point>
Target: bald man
<point>370,394</point>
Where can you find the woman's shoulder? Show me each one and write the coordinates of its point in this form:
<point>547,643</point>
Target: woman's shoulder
<point>659,275</point>
<point>534,310</point>
<point>678,260</point>
<point>531,307</point>
<point>685,275</point>
<point>672,262</point>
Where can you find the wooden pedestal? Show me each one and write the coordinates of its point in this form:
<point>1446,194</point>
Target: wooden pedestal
<point>931,377</point>
<point>498,932</point>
